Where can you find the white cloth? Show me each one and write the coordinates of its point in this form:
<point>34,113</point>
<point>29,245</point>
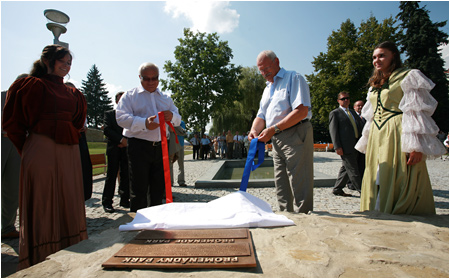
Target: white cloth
<point>236,210</point>
<point>136,105</point>
<point>418,128</point>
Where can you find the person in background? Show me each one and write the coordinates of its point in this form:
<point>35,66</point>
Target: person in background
<point>137,114</point>
<point>204,147</point>
<point>86,164</point>
<point>230,143</point>
<point>180,130</point>
<point>284,117</point>
<point>116,150</point>
<point>345,129</point>
<point>10,181</point>
<point>357,106</point>
<point>223,145</point>
<point>195,146</point>
<point>43,118</point>
<point>396,179</point>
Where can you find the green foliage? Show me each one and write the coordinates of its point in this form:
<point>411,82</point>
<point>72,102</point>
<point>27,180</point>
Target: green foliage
<point>96,96</point>
<point>346,66</point>
<point>202,79</point>
<point>239,116</point>
<point>420,39</point>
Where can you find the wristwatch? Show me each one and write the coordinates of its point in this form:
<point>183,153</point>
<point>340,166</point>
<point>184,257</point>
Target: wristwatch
<point>277,130</point>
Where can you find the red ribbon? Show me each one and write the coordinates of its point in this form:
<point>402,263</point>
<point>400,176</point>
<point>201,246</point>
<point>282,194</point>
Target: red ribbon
<point>165,152</point>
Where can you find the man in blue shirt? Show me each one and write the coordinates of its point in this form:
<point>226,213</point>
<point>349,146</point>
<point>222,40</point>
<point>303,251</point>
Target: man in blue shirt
<point>283,116</point>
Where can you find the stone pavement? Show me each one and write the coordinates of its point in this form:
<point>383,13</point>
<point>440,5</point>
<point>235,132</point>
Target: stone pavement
<point>324,201</point>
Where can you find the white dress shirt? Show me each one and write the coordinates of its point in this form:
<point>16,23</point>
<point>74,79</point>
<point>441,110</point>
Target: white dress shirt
<point>136,105</point>
<point>287,92</point>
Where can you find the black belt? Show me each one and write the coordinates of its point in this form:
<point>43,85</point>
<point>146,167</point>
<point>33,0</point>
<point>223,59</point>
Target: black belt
<point>154,143</point>
<point>300,122</point>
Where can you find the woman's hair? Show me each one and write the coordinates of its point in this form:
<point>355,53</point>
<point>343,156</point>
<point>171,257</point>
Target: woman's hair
<point>50,53</point>
<point>378,78</point>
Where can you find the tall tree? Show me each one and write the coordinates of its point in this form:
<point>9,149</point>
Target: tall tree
<point>240,115</point>
<point>202,79</point>
<point>346,66</point>
<point>96,97</point>
<point>421,38</point>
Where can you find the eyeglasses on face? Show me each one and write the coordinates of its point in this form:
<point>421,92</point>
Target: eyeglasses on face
<point>156,78</point>
<point>345,98</point>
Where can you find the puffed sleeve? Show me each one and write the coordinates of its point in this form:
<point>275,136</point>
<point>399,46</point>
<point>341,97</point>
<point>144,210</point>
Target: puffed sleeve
<point>418,128</point>
<point>23,105</point>
<point>367,113</point>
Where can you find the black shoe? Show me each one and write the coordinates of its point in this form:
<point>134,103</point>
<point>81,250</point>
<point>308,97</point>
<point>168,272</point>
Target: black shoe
<point>125,204</point>
<point>342,193</point>
<point>109,209</point>
<point>182,185</point>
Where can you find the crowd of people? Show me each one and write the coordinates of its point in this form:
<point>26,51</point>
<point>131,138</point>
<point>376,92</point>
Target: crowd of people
<point>44,119</point>
<point>236,147</point>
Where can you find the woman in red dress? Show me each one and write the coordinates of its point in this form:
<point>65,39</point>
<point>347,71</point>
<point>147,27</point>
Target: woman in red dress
<point>43,117</point>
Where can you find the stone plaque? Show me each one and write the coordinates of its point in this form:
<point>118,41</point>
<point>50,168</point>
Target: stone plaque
<point>210,248</point>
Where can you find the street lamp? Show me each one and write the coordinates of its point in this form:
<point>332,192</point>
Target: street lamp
<point>57,21</point>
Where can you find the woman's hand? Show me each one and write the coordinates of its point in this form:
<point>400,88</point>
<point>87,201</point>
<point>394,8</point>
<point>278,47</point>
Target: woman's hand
<point>414,158</point>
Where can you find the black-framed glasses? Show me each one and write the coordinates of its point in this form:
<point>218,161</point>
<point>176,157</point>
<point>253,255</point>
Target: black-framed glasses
<point>345,98</point>
<point>150,78</point>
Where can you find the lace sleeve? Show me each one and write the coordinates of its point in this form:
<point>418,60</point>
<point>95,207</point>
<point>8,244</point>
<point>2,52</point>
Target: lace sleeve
<point>418,128</point>
<point>367,113</point>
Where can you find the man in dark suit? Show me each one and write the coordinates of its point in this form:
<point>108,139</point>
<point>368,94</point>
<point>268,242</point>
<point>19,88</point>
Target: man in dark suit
<point>357,106</point>
<point>345,129</point>
<point>116,150</point>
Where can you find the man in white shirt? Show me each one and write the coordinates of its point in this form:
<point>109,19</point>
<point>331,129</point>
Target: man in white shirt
<point>283,116</point>
<point>137,113</point>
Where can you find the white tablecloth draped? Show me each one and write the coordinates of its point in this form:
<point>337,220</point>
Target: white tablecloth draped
<point>236,210</point>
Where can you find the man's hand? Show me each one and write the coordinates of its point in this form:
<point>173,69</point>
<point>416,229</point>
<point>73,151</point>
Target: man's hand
<point>339,151</point>
<point>123,143</point>
<point>266,134</point>
<point>168,115</point>
<point>414,158</point>
<point>150,124</point>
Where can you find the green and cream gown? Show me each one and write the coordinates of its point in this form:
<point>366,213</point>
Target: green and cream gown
<point>398,122</point>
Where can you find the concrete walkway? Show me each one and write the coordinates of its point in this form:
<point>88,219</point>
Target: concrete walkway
<point>326,162</point>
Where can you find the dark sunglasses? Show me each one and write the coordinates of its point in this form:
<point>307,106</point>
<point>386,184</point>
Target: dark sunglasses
<point>345,98</point>
<point>150,79</point>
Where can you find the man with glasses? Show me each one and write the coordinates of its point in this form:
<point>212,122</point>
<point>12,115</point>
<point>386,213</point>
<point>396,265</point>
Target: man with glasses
<point>345,129</point>
<point>283,116</point>
<point>137,113</point>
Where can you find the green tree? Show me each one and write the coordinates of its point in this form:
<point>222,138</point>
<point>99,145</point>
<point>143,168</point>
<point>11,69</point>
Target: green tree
<point>96,97</point>
<point>202,80</point>
<point>420,39</point>
<point>346,66</point>
<point>240,115</point>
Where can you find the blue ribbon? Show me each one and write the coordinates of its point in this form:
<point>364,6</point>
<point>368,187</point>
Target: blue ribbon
<point>250,166</point>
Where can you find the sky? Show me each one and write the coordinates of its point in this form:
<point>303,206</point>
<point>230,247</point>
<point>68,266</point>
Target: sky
<point>118,36</point>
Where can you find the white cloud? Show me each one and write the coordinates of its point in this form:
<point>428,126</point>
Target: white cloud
<point>443,49</point>
<point>205,16</point>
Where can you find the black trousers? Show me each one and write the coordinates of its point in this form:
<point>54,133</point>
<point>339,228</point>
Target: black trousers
<point>204,150</point>
<point>196,149</point>
<point>146,173</point>
<point>117,160</point>
<point>352,169</point>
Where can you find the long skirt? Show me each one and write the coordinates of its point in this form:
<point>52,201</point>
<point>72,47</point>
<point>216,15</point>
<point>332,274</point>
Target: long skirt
<point>51,199</point>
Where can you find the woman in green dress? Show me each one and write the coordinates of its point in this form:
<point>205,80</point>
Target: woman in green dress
<point>398,137</point>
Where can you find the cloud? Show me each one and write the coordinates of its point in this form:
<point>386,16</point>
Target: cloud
<point>205,16</point>
<point>443,49</point>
